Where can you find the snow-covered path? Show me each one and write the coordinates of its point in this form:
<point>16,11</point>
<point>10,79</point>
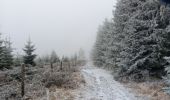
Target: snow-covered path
<point>101,86</point>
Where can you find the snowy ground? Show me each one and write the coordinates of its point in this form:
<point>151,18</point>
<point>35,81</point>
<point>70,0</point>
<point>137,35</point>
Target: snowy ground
<point>101,86</point>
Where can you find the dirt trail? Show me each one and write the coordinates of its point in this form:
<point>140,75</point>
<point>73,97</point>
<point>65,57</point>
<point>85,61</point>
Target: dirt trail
<point>101,86</point>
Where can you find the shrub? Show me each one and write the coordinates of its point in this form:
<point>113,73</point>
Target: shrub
<point>61,78</point>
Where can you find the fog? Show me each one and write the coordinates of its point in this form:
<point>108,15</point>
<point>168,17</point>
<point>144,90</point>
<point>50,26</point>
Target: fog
<point>61,25</point>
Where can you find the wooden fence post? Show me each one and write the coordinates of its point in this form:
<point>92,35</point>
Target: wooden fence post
<point>69,66</point>
<point>61,66</point>
<point>51,66</point>
<point>22,80</point>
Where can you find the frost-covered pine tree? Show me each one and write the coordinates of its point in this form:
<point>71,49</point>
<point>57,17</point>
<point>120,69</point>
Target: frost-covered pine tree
<point>112,54</point>
<point>109,43</point>
<point>6,57</point>
<point>145,33</point>
<point>7,53</point>
<point>123,12</point>
<point>1,54</point>
<point>54,58</point>
<point>137,41</point>
<point>97,54</point>
<point>99,51</point>
<point>29,56</point>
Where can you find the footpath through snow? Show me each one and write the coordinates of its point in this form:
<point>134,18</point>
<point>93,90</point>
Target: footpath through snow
<point>101,86</point>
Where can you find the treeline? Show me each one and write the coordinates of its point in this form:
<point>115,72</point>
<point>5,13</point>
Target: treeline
<point>136,41</point>
<point>78,59</point>
<point>9,60</point>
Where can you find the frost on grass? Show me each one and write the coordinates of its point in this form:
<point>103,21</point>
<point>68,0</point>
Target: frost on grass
<point>38,79</point>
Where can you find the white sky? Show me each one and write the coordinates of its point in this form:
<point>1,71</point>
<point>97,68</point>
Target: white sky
<point>60,25</point>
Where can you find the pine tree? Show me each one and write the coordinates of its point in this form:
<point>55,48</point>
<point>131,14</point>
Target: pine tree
<point>144,39</point>
<point>29,56</point>
<point>1,54</point>
<point>137,40</point>
<point>109,54</point>
<point>8,57</point>
<point>54,58</point>
<point>100,49</point>
<point>125,9</point>
<point>97,53</point>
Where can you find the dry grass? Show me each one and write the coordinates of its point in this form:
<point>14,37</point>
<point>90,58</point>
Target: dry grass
<point>63,83</point>
<point>38,79</point>
<point>65,92</point>
<point>61,94</point>
<point>151,90</point>
<point>68,78</point>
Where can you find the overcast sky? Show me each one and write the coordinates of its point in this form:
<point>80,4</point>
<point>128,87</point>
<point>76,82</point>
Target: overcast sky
<point>60,25</point>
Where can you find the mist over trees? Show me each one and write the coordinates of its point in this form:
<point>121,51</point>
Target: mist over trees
<point>136,42</point>
<point>134,45</point>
